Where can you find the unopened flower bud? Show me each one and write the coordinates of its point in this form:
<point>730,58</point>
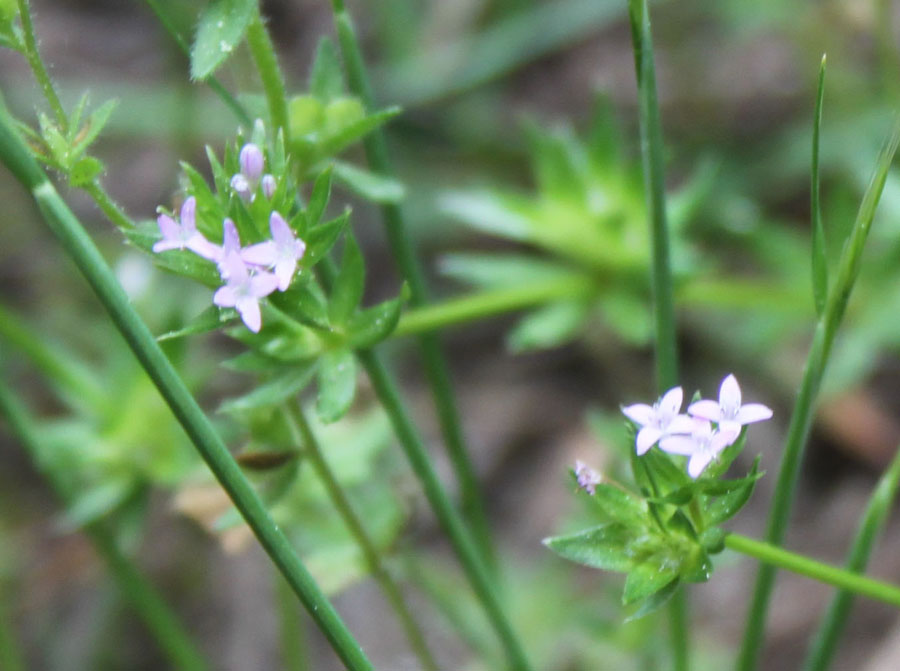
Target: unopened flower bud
<point>268,185</point>
<point>252,162</point>
<point>586,477</point>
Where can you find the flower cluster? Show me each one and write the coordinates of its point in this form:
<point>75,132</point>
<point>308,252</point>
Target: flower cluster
<point>249,273</point>
<point>707,428</point>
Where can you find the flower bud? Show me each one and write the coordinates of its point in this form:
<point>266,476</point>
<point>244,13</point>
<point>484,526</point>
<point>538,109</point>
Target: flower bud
<point>268,185</point>
<point>587,477</point>
<point>242,187</point>
<point>252,162</point>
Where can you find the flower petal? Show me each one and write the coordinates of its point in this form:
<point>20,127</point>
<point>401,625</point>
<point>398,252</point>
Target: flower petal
<point>168,227</point>
<point>670,403</point>
<point>225,297</point>
<point>698,462</point>
<point>281,232</point>
<point>248,307</point>
<point>284,271</point>
<point>203,247</point>
<point>706,410</point>
<point>730,394</point>
<point>681,424</point>
<point>646,438</point>
<point>232,269</point>
<point>639,413</point>
<point>260,254</point>
<point>678,445</point>
<point>262,284</point>
<point>753,412</point>
<point>189,213</point>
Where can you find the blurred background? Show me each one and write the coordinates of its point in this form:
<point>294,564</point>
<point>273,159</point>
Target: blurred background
<point>517,147</point>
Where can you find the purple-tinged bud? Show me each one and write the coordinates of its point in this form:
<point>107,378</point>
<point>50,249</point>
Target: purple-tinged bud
<point>252,162</point>
<point>586,477</point>
<point>268,185</point>
<point>242,187</point>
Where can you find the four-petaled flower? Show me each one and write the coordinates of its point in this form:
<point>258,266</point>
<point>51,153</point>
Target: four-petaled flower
<point>243,290</point>
<point>701,447</point>
<point>280,253</point>
<point>183,234</point>
<point>658,420</point>
<point>728,413</point>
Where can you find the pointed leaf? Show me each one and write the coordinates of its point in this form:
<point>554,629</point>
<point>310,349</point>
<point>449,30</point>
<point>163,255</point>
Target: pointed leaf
<point>654,601</point>
<point>819,261</point>
<point>649,577</point>
<point>280,388</point>
<point>320,239</point>
<point>326,80</point>
<point>93,127</point>
<point>727,506</point>
<point>85,171</point>
<point>349,283</point>
<point>550,326</point>
<point>351,132</point>
<point>209,320</point>
<point>604,547</point>
<point>318,200</point>
<point>337,384</point>
<point>305,303</point>
<point>371,186</point>
<point>369,327</point>
<point>219,31</point>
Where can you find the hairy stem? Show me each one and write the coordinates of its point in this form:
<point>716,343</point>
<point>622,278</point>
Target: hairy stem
<point>263,51</point>
<point>33,56</point>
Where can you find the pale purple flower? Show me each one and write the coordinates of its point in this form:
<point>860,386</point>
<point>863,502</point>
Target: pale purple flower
<point>658,420</point>
<point>243,290</point>
<point>242,187</point>
<point>268,185</point>
<point>252,162</point>
<point>702,446</point>
<point>586,477</point>
<point>728,413</point>
<point>183,234</point>
<point>280,253</point>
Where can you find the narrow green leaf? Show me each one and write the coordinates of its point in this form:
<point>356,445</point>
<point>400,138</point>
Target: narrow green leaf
<point>604,547</point>
<point>305,303</point>
<point>209,320</point>
<point>337,384</point>
<point>347,291</point>
<point>618,506</point>
<point>371,186</point>
<point>549,326</point>
<point>94,125</point>
<point>726,506</point>
<point>349,133</point>
<point>179,262</point>
<point>280,388</point>
<point>653,602</point>
<point>819,260</point>
<point>318,200</point>
<point>221,27</point>
<point>320,239</point>
<point>326,79</point>
<point>96,502</point>
<point>369,327</point>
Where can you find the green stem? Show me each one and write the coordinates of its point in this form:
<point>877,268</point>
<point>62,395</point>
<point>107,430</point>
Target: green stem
<point>830,575</point>
<point>661,269</point>
<point>477,306</point>
<point>461,539</point>
<point>213,83</point>
<point>266,60</point>
<point>437,369</point>
<point>802,417</point>
<point>149,605</point>
<point>303,434</point>
<point>825,641</point>
<point>77,243</point>
<point>37,67</point>
<point>292,628</point>
<point>108,206</point>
